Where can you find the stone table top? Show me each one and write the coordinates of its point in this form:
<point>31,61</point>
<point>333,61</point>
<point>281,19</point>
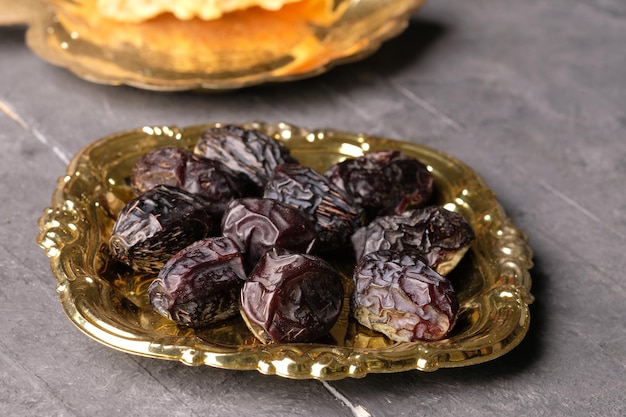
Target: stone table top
<point>531,95</point>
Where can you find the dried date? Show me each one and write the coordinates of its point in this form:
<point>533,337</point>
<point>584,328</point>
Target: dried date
<point>257,225</point>
<point>201,284</point>
<point>397,294</point>
<point>383,182</point>
<point>156,225</point>
<point>246,151</point>
<point>333,212</point>
<point>291,298</point>
<point>180,167</point>
<point>442,237</point>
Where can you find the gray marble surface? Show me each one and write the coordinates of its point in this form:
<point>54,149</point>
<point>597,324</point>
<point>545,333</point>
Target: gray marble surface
<point>530,94</point>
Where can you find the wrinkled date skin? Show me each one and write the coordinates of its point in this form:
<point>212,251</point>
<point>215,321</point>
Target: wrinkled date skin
<point>257,225</point>
<point>383,182</point>
<point>180,167</point>
<point>333,212</point>
<point>397,294</point>
<point>441,236</point>
<point>291,298</point>
<point>156,225</point>
<point>245,151</point>
<point>201,284</point>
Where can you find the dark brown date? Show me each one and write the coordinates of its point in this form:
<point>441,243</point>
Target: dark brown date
<point>442,237</point>
<point>383,182</point>
<point>156,225</point>
<point>201,284</point>
<point>180,167</point>
<point>397,294</point>
<point>291,298</point>
<point>246,151</point>
<point>257,225</point>
<point>333,212</point>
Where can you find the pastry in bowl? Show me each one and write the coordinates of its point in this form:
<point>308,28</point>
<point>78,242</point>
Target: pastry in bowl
<point>177,46</point>
<point>140,10</point>
<point>246,40</point>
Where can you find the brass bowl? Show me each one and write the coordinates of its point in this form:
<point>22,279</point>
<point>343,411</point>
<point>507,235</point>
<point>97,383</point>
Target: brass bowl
<point>241,49</point>
<point>109,302</point>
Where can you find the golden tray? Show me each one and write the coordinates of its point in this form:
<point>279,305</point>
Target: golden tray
<point>109,303</point>
<point>241,49</point>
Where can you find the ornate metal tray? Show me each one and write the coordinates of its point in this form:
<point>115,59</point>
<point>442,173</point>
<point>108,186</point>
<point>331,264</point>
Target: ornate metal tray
<point>109,303</point>
<point>240,49</point>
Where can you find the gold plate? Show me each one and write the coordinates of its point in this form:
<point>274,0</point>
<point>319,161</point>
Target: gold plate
<point>109,303</point>
<point>241,49</point>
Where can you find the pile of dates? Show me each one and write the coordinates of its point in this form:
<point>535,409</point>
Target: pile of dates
<point>238,226</point>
